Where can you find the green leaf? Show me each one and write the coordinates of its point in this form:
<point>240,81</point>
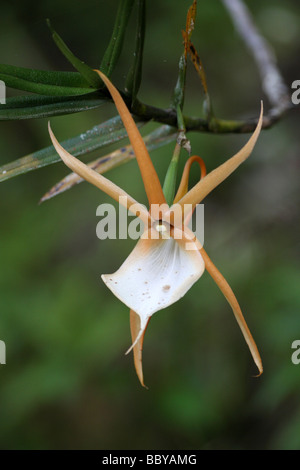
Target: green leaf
<point>85,70</point>
<point>93,139</point>
<point>134,77</point>
<point>49,77</point>
<point>115,45</point>
<point>28,107</point>
<point>43,89</point>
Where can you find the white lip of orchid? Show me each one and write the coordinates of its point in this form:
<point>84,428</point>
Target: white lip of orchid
<point>156,274</point>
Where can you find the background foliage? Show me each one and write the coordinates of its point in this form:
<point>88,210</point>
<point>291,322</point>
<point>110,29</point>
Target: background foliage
<point>67,383</point>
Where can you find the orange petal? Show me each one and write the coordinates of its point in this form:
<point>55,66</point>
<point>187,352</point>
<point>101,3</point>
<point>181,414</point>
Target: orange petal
<point>230,297</point>
<point>151,181</point>
<point>100,181</point>
<point>215,177</point>
<point>100,165</point>
<point>135,325</point>
<point>184,183</point>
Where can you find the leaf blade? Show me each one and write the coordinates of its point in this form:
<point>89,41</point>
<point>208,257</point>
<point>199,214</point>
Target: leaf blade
<point>85,70</point>
<point>100,136</point>
<point>43,88</point>
<point>115,45</point>
<point>29,107</point>
<point>134,78</point>
<point>50,77</point>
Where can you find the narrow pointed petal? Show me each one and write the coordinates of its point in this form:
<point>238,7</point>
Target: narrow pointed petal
<point>215,177</point>
<point>100,165</point>
<point>135,326</point>
<point>156,274</point>
<point>230,297</point>
<point>191,243</point>
<point>151,181</point>
<point>99,180</point>
<point>184,183</point>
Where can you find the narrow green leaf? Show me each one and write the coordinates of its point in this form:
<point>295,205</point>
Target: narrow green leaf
<point>93,139</point>
<point>86,71</point>
<point>29,107</point>
<point>115,45</point>
<point>49,77</point>
<point>134,77</point>
<point>41,88</point>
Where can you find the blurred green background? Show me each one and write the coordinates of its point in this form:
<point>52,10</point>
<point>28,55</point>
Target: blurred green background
<point>67,383</point>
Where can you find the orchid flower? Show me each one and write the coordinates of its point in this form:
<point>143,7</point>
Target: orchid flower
<point>168,259</point>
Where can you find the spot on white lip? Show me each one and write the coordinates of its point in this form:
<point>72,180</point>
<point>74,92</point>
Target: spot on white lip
<point>166,288</point>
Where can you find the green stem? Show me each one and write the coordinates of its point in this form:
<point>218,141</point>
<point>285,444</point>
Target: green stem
<point>178,95</point>
<point>180,120</point>
<point>171,176</point>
